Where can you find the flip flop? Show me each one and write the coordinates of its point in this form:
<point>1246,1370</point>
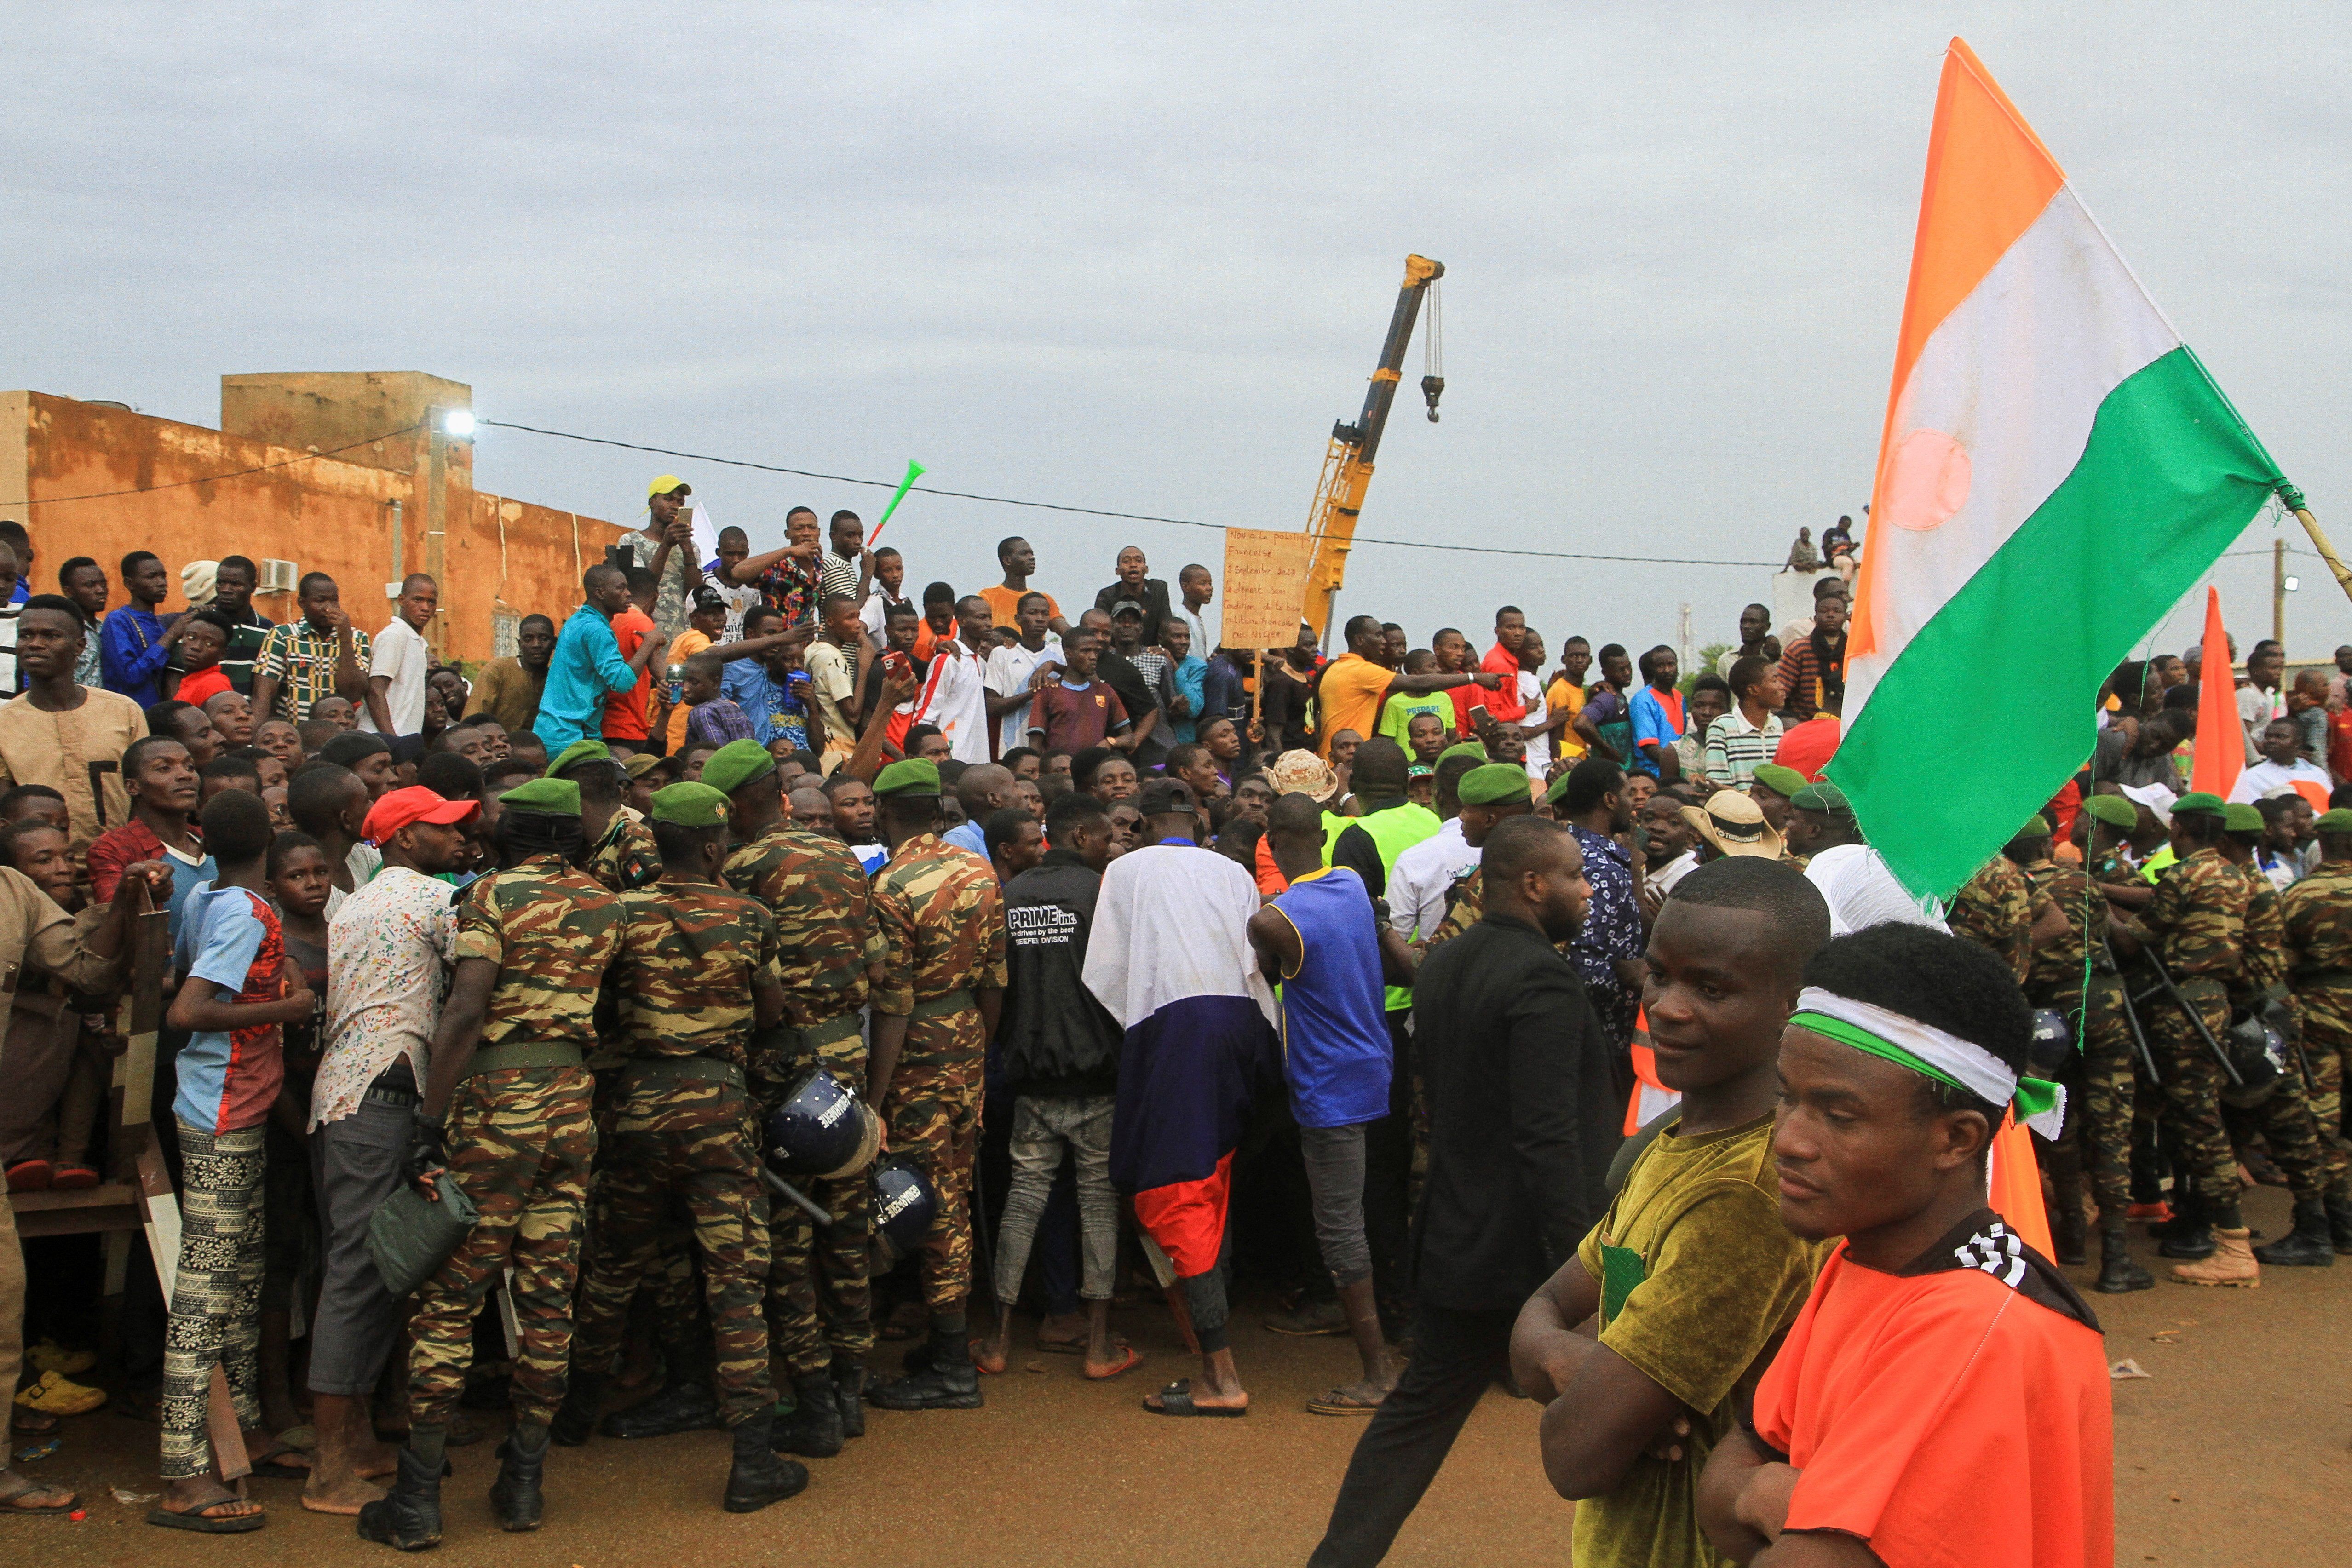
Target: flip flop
<point>980,1359</point>
<point>264,1467</point>
<point>9,1503</point>
<point>204,1521</point>
<point>1131,1358</point>
<point>1176,1399</point>
<point>1339,1401</point>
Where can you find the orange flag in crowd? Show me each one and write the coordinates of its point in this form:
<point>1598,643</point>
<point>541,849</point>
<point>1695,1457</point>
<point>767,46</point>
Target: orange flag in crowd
<point>2221,750</point>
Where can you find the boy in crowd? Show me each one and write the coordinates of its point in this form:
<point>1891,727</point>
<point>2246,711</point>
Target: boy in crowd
<point>1075,712</point>
<point>1944,1383</point>
<point>1690,1278</point>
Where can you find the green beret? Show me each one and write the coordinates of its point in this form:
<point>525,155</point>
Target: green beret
<point>2114,810</point>
<point>2339,820</point>
<point>2036,827</point>
<point>556,797</point>
<point>914,776</point>
<point>1462,749</point>
<point>691,805</point>
<point>2200,801</point>
<point>1822,797</point>
<point>2242,817</point>
<point>735,764</point>
<point>577,752</point>
<point>1779,779</point>
<point>1492,784</point>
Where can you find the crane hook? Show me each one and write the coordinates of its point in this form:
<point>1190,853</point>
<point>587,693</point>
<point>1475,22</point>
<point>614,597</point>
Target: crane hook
<point>1432,388</point>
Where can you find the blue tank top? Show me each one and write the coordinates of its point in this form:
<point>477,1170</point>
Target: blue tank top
<point>1335,1024</point>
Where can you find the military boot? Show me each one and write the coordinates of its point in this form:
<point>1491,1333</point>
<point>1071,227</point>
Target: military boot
<point>813,1429</point>
<point>2233,1263</point>
<point>2118,1272</point>
<point>575,1421</point>
<point>757,1477</point>
<point>2308,1246</point>
<point>685,1405</point>
<point>849,1395</point>
<point>2068,1230</point>
<point>947,1380</point>
<point>2339,1225</point>
<point>2188,1235</point>
<point>409,1516</point>
<point>515,1496</point>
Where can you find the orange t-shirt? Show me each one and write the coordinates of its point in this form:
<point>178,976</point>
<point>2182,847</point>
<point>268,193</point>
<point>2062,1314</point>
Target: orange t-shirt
<point>1002,601</point>
<point>1349,698</point>
<point>625,712</point>
<point>1957,1412</point>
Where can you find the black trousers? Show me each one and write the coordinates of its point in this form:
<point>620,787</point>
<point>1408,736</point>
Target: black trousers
<point>1455,1356</point>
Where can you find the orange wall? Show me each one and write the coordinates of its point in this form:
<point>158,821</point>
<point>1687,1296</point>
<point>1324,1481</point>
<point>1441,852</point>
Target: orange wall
<point>91,480</point>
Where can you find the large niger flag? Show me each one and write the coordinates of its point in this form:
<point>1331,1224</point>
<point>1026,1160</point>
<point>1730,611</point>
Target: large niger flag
<point>2057,470</point>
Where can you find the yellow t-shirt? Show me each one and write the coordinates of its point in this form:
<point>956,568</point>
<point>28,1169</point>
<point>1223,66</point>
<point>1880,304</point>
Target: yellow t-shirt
<point>1698,1280</point>
<point>1002,601</point>
<point>1559,698</point>
<point>1351,696</point>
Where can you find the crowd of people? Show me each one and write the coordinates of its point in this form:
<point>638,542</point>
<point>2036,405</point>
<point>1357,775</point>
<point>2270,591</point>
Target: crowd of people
<point>1555,1022</point>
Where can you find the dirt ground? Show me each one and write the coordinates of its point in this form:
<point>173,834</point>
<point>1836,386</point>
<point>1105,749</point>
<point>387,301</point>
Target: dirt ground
<point>2225,1457</point>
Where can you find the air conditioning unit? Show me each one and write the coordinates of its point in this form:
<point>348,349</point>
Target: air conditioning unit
<point>276,577</point>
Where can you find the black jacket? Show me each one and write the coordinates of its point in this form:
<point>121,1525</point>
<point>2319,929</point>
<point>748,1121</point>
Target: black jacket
<point>1054,1038</point>
<point>1157,607</point>
<point>1523,1116</point>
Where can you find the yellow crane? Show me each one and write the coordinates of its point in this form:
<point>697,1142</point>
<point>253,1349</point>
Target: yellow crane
<point>1348,465</point>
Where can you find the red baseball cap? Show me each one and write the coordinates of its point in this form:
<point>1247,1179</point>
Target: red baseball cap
<point>399,808</point>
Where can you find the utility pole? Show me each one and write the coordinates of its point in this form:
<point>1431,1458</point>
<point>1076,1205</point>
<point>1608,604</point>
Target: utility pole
<point>436,507</point>
<point>2278,593</point>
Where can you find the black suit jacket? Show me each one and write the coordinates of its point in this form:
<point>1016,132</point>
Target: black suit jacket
<point>1157,608</point>
<point>1523,1116</point>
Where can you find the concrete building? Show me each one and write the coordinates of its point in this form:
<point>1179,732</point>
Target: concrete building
<point>353,474</point>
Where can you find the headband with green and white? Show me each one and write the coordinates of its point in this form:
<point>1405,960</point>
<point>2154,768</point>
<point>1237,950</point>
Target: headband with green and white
<point>1924,1048</point>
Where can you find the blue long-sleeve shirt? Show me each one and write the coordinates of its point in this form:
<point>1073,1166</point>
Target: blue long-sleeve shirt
<point>1191,679</point>
<point>585,668</point>
<point>132,654</point>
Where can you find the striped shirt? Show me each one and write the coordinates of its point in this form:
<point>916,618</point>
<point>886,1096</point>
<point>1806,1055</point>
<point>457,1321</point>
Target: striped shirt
<point>301,659</point>
<point>1737,748</point>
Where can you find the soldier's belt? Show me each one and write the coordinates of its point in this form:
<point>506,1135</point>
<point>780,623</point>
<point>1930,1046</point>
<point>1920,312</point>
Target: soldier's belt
<point>681,1070</point>
<point>940,1006</point>
<point>499,1058</point>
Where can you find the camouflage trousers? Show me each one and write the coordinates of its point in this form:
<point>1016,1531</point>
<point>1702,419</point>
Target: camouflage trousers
<point>820,1307</point>
<point>2327,1046</point>
<point>933,1115</point>
<point>2193,1082</point>
<point>2102,1084</point>
<point>2314,1167</point>
<point>680,1142</point>
<point>520,1142</point>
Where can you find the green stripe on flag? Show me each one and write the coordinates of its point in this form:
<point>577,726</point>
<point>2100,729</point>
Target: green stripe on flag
<point>1988,711</point>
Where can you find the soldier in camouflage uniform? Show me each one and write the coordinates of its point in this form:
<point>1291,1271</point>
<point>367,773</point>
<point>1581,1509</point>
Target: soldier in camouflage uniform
<point>2198,920</point>
<point>622,854</point>
<point>506,1110</point>
<point>940,917</point>
<point>819,1313</point>
<point>2102,1077</point>
<point>698,968</point>
<point>2314,1169</point>
<point>1484,804</point>
<point>2317,913</point>
<point>1996,909</point>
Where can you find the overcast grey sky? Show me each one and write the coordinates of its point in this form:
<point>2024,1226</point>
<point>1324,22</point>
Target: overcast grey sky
<point>1140,258</point>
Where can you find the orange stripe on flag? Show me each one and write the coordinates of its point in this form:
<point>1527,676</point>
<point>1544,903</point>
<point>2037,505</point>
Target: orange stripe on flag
<point>2220,755</point>
<point>1989,177</point>
<point>2016,1183</point>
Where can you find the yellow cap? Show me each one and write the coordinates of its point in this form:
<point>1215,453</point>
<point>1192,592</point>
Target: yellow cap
<point>665,484</point>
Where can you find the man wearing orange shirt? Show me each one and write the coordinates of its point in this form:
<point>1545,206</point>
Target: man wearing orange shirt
<point>1943,1395</point>
<point>626,715</point>
<point>1348,697</point>
<point>1503,661</point>
<point>1020,564</point>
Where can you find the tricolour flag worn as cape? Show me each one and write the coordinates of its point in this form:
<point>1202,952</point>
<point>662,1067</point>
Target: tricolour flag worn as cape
<point>1169,956</point>
<point>2057,469</point>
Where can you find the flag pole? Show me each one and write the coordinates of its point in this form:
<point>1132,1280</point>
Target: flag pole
<point>2326,551</point>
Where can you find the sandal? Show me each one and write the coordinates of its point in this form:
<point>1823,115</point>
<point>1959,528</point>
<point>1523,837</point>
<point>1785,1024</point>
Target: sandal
<point>12,1502</point>
<point>990,1364</point>
<point>267,1467</point>
<point>1129,1359</point>
<point>1340,1401</point>
<point>1176,1399</point>
<point>205,1522</point>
